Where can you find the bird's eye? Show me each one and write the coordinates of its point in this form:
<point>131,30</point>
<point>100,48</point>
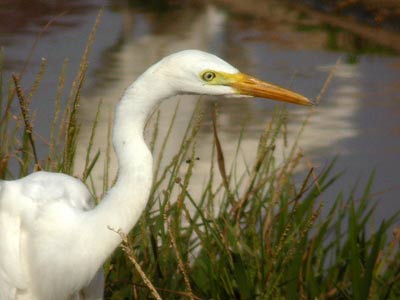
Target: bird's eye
<point>208,76</point>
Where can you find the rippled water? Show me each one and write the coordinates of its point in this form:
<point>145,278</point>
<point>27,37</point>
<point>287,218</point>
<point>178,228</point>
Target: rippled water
<point>357,119</point>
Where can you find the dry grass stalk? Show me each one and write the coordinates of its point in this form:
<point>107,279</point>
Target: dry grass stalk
<point>262,152</point>
<point>220,157</point>
<point>36,83</point>
<point>72,126</point>
<point>328,81</point>
<point>312,110</point>
<point>25,115</point>
<point>179,293</point>
<point>181,264</point>
<point>155,131</point>
<point>89,164</point>
<point>54,142</point>
<point>107,161</point>
<point>166,138</point>
<point>39,35</point>
<point>127,248</point>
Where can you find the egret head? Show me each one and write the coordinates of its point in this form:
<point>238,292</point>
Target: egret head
<point>198,72</point>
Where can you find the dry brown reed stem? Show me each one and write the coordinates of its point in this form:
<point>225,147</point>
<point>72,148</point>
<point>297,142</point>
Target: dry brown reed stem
<point>72,126</point>
<point>83,64</point>
<point>315,177</point>
<point>166,138</point>
<point>3,165</point>
<point>309,252</point>
<point>301,236</point>
<point>25,115</point>
<point>187,177</point>
<point>317,101</point>
<point>38,36</point>
<point>54,142</point>
<point>220,156</point>
<point>89,164</point>
<point>155,131</point>
<point>262,151</point>
<point>388,257</point>
<point>36,83</point>
<point>27,61</point>
<point>107,161</point>
<point>127,248</point>
<point>280,182</point>
<point>6,110</point>
<point>330,294</point>
<point>181,264</point>
<point>301,284</point>
<point>188,136</point>
<point>179,293</point>
<point>328,81</point>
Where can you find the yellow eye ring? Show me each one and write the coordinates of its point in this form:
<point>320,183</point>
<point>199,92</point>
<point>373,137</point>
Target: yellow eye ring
<point>208,76</point>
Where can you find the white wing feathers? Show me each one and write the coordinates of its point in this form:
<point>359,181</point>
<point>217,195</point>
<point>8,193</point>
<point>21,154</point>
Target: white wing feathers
<point>11,277</point>
<point>20,204</point>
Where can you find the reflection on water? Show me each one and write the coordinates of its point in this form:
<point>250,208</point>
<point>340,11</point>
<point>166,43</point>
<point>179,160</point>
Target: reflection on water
<point>136,50</point>
<point>356,119</point>
<point>333,121</point>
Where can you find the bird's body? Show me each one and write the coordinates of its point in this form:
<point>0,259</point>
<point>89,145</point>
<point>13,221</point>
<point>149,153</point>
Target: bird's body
<point>54,241</point>
<point>39,225</point>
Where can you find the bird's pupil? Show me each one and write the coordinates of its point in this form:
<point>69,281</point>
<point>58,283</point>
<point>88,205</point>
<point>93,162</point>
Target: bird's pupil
<point>209,76</point>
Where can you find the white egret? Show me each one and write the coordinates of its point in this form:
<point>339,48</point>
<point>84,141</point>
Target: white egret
<point>53,241</point>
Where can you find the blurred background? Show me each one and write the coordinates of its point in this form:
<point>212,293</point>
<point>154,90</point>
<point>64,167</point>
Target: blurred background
<point>291,43</point>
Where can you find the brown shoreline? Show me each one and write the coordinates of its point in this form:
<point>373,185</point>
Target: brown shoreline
<point>266,8</point>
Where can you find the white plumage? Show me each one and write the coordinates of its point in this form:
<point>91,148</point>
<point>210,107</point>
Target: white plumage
<point>36,211</point>
<point>54,241</point>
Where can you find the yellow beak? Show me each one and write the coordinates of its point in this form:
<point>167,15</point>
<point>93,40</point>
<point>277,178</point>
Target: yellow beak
<point>250,86</point>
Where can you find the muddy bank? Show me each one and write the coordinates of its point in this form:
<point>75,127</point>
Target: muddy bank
<point>377,13</point>
<point>379,24</point>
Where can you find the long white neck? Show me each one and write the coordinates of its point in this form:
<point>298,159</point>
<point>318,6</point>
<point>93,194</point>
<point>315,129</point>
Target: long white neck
<point>123,204</point>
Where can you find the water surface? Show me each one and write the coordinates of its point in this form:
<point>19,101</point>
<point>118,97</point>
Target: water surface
<point>357,119</point>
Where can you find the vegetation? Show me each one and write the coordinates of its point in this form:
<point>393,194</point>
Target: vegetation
<point>263,234</point>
